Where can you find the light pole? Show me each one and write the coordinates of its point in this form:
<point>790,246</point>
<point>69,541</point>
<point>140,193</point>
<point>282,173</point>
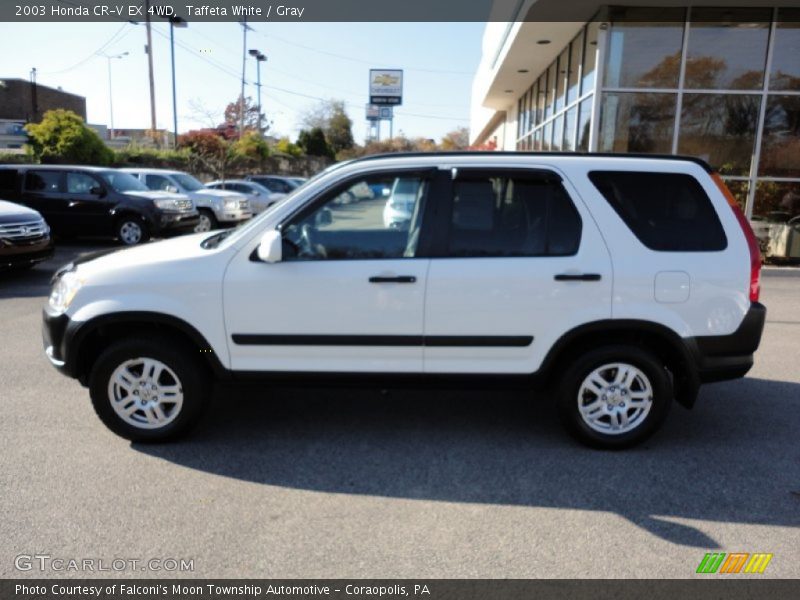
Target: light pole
<point>174,21</point>
<point>109,58</point>
<point>259,59</point>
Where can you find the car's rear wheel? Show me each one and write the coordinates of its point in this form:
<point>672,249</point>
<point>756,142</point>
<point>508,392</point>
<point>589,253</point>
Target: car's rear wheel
<point>148,390</point>
<point>206,222</point>
<point>614,396</point>
<point>131,231</point>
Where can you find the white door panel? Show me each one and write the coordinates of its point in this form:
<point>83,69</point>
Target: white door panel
<point>323,299</point>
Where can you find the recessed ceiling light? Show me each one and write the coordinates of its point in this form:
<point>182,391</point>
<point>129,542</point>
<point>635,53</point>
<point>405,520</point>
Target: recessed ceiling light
<point>522,70</point>
<point>509,91</point>
<point>543,42</point>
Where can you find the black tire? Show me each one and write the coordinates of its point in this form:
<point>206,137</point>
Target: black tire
<point>573,377</point>
<point>190,372</point>
<point>206,217</point>
<point>126,225</point>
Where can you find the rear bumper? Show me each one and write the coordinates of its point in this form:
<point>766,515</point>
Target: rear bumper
<point>722,357</point>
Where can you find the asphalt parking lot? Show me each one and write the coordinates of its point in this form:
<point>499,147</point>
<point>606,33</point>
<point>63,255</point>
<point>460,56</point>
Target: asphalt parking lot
<point>371,483</point>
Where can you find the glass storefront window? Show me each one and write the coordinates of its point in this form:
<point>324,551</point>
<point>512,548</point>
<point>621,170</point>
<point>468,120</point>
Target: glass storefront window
<point>776,219</point>
<point>558,131</point>
<point>777,202</point>
<point>786,53</point>
<point>534,94</point>
<point>547,136</point>
<point>721,129</point>
<point>642,51</point>
<point>575,57</point>
<point>562,68</point>
<point>570,117</point>
<point>780,146</point>
<point>537,140</point>
<point>727,48</point>
<point>552,73</point>
<point>540,98</point>
<point>584,124</point>
<point>739,189</point>
<point>590,57</point>
<point>637,122</point>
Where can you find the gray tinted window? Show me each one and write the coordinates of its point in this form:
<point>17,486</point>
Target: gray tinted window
<point>507,216</point>
<point>43,181</point>
<point>666,211</point>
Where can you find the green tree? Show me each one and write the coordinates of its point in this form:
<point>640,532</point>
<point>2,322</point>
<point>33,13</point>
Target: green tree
<point>313,143</point>
<point>286,146</point>
<point>331,117</point>
<point>62,136</point>
<point>340,128</point>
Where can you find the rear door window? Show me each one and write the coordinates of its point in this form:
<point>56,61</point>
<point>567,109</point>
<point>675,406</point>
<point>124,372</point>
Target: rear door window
<point>667,212</point>
<point>512,216</point>
<point>46,182</point>
<point>8,181</point>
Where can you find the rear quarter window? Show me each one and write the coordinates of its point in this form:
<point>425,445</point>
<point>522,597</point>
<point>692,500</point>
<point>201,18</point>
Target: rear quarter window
<point>8,181</point>
<point>667,212</point>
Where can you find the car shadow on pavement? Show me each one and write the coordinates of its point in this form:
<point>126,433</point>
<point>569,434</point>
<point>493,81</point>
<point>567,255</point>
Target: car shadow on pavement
<point>734,458</point>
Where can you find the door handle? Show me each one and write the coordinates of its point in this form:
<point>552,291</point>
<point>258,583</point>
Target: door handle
<point>397,279</point>
<point>578,277</point>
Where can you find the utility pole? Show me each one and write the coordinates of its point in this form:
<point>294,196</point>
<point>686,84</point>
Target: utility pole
<point>174,21</point>
<point>109,58</point>
<point>150,71</point>
<point>34,97</point>
<point>259,59</point>
<point>245,27</point>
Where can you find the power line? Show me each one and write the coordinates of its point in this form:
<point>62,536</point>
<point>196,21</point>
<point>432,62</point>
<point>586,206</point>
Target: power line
<point>111,40</point>
<point>359,60</point>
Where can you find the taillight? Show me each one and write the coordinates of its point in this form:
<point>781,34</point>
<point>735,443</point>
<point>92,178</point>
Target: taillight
<point>752,241</point>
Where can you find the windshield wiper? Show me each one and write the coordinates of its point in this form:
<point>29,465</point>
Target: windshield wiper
<point>214,240</point>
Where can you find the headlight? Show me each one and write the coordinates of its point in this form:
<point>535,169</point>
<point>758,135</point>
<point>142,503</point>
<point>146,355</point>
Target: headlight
<point>166,204</point>
<point>231,204</point>
<point>64,290</point>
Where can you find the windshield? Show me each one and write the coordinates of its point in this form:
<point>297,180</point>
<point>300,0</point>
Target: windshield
<point>123,182</point>
<point>187,182</point>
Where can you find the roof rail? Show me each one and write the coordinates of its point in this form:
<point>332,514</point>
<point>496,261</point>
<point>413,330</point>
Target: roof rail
<point>678,157</point>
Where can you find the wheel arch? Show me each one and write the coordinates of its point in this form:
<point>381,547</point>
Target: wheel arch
<point>676,352</point>
<point>90,338</point>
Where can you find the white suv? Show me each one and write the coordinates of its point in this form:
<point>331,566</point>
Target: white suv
<point>216,207</point>
<point>621,283</point>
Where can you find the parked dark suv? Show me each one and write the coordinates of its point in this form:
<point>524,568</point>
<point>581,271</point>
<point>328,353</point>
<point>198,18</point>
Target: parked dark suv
<point>93,201</point>
<point>24,237</point>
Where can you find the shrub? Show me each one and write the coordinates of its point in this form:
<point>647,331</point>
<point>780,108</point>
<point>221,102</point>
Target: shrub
<point>251,145</point>
<point>62,136</point>
<point>284,146</point>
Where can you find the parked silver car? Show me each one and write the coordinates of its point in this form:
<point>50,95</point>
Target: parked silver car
<point>216,207</point>
<point>260,198</point>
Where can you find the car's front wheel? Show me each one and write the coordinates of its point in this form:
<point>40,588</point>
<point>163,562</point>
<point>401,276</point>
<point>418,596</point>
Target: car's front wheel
<point>148,390</point>
<point>614,396</point>
<point>206,222</point>
<point>131,231</point>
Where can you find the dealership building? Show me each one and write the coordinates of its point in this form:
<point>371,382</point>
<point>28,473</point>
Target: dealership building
<point>719,81</point>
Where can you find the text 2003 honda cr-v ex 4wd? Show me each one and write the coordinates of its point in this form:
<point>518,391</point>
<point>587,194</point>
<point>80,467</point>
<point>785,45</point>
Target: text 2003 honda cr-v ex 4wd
<point>620,282</point>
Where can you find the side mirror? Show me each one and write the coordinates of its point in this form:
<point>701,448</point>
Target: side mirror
<point>270,248</point>
<point>171,189</point>
<point>324,217</point>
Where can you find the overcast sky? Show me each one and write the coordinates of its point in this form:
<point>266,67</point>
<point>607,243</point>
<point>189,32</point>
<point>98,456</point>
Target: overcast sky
<point>306,61</point>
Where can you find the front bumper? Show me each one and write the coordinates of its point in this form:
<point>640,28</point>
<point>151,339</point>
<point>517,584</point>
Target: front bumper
<point>722,357</point>
<point>177,221</point>
<point>24,253</point>
<point>235,215</point>
<point>54,336</point>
